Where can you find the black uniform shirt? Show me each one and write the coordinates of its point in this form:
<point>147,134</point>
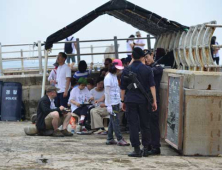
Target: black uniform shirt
<point>145,77</point>
<point>158,72</point>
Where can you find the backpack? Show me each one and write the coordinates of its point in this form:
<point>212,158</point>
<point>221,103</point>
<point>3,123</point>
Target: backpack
<point>68,47</point>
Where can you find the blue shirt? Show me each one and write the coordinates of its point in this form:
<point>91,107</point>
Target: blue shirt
<point>145,77</point>
<point>85,74</point>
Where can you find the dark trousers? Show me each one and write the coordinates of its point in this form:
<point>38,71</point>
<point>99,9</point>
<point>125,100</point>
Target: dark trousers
<point>217,59</point>
<point>81,111</point>
<point>138,119</point>
<point>61,101</point>
<point>154,128</point>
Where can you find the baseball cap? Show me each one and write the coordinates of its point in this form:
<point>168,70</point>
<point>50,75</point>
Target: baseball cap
<point>52,88</point>
<point>118,64</point>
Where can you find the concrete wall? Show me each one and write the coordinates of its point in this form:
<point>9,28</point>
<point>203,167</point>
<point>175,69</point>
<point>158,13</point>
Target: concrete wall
<point>202,111</point>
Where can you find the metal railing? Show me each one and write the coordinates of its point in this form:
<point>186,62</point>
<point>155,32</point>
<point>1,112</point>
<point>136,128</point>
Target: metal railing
<point>40,57</point>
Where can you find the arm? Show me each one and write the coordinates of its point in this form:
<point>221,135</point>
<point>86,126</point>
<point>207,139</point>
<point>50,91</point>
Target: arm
<point>153,91</point>
<point>122,99</point>
<point>140,45</point>
<point>102,99</point>
<point>68,79</point>
<point>75,103</point>
<point>45,107</point>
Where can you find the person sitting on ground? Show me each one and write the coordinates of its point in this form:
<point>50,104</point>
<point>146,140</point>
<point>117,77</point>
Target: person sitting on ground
<point>52,75</point>
<point>99,112</point>
<point>79,97</point>
<point>82,70</point>
<point>90,83</point>
<point>49,117</point>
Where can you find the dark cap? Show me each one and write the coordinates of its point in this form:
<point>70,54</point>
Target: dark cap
<point>52,88</point>
<point>138,53</point>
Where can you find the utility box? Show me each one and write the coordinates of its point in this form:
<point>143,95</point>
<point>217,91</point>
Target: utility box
<point>11,101</point>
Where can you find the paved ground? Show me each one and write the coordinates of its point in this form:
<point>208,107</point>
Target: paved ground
<point>18,151</point>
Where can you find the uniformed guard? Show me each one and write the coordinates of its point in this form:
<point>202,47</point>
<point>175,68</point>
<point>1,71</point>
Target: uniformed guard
<point>154,116</point>
<point>135,102</point>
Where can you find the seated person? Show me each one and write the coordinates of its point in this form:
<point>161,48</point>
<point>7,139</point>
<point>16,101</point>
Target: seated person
<point>49,117</point>
<point>100,111</point>
<point>90,83</point>
<point>82,70</point>
<point>79,96</point>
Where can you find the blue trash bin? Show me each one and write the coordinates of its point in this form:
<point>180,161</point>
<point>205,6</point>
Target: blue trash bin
<point>11,101</point>
<point>1,84</point>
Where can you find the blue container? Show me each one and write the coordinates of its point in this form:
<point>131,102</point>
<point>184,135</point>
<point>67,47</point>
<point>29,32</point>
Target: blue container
<point>11,101</point>
<point>1,84</point>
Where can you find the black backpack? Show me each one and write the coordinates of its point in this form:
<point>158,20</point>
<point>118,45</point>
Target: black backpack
<point>68,47</point>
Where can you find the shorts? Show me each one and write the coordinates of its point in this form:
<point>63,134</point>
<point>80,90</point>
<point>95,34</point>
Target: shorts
<point>48,121</point>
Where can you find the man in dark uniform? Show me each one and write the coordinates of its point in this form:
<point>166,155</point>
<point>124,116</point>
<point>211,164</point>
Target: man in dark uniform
<point>136,105</point>
<point>154,116</point>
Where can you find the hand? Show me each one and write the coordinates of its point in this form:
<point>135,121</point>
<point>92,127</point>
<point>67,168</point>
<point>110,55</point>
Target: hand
<point>154,106</point>
<point>61,108</point>
<point>109,109</point>
<point>91,99</point>
<point>65,94</point>
<point>124,107</point>
<point>78,104</point>
<point>102,105</point>
<point>96,101</point>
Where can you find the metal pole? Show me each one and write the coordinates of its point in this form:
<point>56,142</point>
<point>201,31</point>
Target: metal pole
<point>40,57</point>
<point>22,62</point>
<point>44,73</point>
<point>92,54</point>
<point>1,69</point>
<point>78,50</point>
<point>148,42</point>
<point>116,47</point>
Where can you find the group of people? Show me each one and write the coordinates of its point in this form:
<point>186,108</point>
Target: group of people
<point>114,92</point>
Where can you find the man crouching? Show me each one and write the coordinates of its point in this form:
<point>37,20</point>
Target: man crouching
<point>50,117</point>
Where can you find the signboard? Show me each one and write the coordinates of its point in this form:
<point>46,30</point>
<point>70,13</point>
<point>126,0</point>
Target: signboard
<point>174,116</point>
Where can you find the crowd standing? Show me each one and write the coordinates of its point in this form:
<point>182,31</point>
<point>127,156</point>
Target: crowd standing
<point>108,95</point>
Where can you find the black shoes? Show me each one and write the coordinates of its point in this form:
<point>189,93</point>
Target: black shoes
<point>146,151</point>
<point>154,151</point>
<point>136,153</point>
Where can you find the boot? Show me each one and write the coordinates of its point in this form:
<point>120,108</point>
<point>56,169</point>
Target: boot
<point>154,151</point>
<point>136,153</point>
<point>146,151</point>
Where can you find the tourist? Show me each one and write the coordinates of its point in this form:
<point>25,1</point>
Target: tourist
<point>135,103</point>
<point>129,48</point>
<point>63,78</point>
<point>50,117</point>
<point>52,75</point>
<point>70,48</point>
<point>99,112</point>
<point>90,83</point>
<point>82,70</point>
<point>79,98</point>
<point>112,101</point>
<point>216,56</point>
<point>139,42</point>
<point>107,63</point>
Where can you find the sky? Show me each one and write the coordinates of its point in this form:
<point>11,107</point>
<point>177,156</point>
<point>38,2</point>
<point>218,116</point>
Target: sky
<point>27,21</point>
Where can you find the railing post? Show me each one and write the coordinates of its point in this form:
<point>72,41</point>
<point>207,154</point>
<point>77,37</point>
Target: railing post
<point>78,50</point>
<point>22,62</point>
<point>148,42</point>
<point>92,54</point>
<point>1,69</point>
<point>40,57</point>
<point>44,73</point>
<point>116,47</point>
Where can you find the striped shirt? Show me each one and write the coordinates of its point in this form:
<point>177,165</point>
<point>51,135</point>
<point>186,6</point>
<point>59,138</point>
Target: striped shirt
<point>85,74</point>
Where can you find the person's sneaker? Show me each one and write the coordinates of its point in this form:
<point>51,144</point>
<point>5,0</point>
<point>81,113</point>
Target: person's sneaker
<point>154,151</point>
<point>103,133</point>
<point>111,142</point>
<point>57,133</point>
<point>122,142</point>
<point>65,132</point>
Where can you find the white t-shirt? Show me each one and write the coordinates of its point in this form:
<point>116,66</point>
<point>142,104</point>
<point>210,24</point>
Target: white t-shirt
<point>79,96</point>
<point>97,95</point>
<point>63,72</point>
<point>73,46</point>
<point>52,75</point>
<point>217,53</point>
<point>112,82</point>
<point>128,47</point>
<point>140,41</point>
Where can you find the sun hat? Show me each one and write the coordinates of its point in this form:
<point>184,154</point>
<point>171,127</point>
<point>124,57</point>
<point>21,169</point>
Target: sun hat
<point>118,64</point>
